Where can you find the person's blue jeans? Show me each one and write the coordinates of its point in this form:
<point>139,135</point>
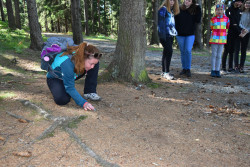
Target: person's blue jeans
<point>186,45</point>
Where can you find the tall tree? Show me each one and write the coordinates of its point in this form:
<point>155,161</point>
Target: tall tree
<point>86,14</point>
<point>17,13</point>
<point>1,8</point>
<point>11,19</point>
<point>129,59</point>
<point>76,21</point>
<point>209,16</point>
<point>154,36</point>
<point>35,29</point>
<point>198,31</point>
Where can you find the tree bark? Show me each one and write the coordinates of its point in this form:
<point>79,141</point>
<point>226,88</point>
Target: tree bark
<point>86,14</point>
<point>35,29</point>
<point>1,8</point>
<point>76,21</point>
<point>198,31</point>
<point>17,12</point>
<point>129,59</point>
<point>209,5</point>
<point>154,36</point>
<point>11,18</point>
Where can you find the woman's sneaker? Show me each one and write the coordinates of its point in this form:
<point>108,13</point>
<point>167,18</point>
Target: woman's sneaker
<point>167,76</point>
<point>92,96</point>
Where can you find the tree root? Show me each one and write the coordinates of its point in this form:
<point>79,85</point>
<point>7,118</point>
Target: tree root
<point>65,122</point>
<point>17,116</point>
<point>89,151</point>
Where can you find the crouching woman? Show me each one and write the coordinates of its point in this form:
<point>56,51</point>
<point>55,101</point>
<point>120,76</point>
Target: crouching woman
<point>69,66</point>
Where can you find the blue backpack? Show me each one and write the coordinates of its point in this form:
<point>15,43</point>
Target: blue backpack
<point>52,47</point>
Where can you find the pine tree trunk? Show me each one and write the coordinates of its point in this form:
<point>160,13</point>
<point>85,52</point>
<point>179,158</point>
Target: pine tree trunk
<point>11,18</point>
<point>86,5</point>
<point>154,36</point>
<point>35,29</point>
<point>129,59</point>
<point>198,31</point>
<point>209,5</point>
<point>17,12</point>
<point>76,21</point>
<point>1,8</point>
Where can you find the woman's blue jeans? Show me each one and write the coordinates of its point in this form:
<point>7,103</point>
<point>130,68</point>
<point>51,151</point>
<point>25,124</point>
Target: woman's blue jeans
<point>186,45</point>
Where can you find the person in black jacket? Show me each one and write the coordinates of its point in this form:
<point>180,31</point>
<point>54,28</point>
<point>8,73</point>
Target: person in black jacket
<point>190,14</point>
<point>234,14</point>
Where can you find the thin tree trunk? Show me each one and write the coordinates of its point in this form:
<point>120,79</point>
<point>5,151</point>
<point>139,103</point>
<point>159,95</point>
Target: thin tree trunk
<point>99,16</point>
<point>17,12</point>
<point>11,18</point>
<point>154,36</point>
<point>209,5</point>
<point>198,31</point>
<point>35,29</point>
<point>76,21</point>
<point>86,14</point>
<point>129,60</point>
<point>1,8</point>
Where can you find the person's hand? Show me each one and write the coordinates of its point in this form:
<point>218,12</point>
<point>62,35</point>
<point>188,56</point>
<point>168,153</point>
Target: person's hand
<point>88,106</point>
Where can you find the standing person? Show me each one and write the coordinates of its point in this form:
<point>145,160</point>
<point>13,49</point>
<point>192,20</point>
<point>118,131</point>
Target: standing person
<point>242,42</point>
<point>190,14</point>
<point>85,60</point>
<point>219,26</point>
<point>166,32</point>
<point>234,14</point>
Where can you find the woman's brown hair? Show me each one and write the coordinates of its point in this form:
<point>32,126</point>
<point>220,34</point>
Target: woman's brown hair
<point>191,9</point>
<point>80,53</point>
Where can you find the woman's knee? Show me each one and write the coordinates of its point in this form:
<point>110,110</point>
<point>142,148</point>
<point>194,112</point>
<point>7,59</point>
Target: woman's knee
<point>62,100</point>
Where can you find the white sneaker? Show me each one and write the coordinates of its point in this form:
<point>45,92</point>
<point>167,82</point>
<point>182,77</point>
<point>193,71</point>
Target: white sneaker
<point>92,96</point>
<point>167,76</point>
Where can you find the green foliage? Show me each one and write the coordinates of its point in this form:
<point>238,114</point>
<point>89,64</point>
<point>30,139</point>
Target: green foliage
<point>73,124</point>
<point>153,85</point>
<point>143,77</point>
<point>16,40</point>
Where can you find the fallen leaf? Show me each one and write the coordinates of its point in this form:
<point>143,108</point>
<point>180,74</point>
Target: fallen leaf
<point>211,106</point>
<point>136,97</point>
<point>2,138</point>
<point>23,154</point>
<point>22,120</point>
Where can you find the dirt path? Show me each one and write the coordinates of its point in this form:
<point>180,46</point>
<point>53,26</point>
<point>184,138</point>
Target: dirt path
<point>198,121</point>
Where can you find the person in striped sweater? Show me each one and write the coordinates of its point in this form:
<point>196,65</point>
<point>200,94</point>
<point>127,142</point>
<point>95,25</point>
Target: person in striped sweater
<point>219,27</point>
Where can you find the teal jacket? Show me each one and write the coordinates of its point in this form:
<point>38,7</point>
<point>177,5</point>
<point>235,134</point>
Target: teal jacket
<point>64,68</point>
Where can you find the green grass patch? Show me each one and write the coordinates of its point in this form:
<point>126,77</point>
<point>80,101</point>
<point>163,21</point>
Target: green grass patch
<point>5,95</point>
<point>153,85</point>
<point>16,40</point>
<point>73,124</point>
<point>101,37</point>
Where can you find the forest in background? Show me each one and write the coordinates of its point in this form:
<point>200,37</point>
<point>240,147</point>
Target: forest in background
<point>97,17</point>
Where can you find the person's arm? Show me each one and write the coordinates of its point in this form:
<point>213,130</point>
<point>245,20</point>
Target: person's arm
<point>68,76</point>
<point>162,23</point>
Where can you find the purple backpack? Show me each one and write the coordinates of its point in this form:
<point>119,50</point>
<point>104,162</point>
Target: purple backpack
<point>51,48</point>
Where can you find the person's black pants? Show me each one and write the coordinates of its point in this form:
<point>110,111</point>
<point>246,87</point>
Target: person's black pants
<point>61,97</point>
<point>241,45</point>
<point>167,53</point>
<point>229,48</point>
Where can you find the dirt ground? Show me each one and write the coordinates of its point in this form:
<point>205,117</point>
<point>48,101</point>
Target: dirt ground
<point>197,121</point>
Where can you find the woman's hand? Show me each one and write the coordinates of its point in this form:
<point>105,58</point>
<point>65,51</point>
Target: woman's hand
<point>88,106</point>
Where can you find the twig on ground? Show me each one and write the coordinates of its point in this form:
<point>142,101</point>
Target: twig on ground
<point>98,159</point>
<point>17,116</point>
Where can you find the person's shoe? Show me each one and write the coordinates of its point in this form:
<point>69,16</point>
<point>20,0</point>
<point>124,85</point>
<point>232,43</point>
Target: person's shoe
<point>217,73</point>
<point>223,72</point>
<point>231,70</point>
<point>242,70</point>
<point>92,96</point>
<point>184,71</point>
<point>188,73</point>
<point>237,70</point>
<point>167,76</point>
<point>213,73</point>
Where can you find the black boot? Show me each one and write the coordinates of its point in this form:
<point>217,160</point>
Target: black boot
<point>184,71</point>
<point>188,73</point>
